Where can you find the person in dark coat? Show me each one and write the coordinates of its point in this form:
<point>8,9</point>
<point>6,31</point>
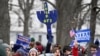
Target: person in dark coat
<point>95,51</point>
<point>67,51</point>
<point>97,43</point>
<point>2,49</point>
<point>15,47</point>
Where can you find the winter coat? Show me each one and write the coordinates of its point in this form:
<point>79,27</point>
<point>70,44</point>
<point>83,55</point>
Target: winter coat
<point>75,51</point>
<point>39,48</point>
<point>2,50</point>
<point>21,52</point>
<point>98,52</point>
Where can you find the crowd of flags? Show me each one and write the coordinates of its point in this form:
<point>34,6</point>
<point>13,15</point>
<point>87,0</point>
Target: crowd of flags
<point>23,40</point>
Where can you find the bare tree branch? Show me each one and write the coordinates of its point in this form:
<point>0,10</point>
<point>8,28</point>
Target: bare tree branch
<point>13,5</point>
<point>20,4</point>
<point>98,10</point>
<point>17,13</point>
<point>98,16</point>
<point>31,4</point>
<point>86,13</point>
<point>27,4</point>
<point>50,3</point>
<point>82,7</point>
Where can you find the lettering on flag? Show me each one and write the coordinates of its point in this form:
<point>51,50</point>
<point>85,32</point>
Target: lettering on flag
<point>83,35</point>
<point>23,40</point>
<point>72,33</point>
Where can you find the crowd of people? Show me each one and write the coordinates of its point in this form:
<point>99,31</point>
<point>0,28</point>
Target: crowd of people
<point>37,49</point>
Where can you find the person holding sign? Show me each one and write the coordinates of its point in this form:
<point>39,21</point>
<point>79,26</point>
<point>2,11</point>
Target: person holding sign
<point>75,48</point>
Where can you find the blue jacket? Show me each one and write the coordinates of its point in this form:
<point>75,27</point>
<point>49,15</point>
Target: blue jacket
<point>98,52</point>
<point>22,52</point>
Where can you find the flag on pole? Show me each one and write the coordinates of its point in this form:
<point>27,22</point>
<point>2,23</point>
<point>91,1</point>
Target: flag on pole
<point>72,33</point>
<point>22,40</point>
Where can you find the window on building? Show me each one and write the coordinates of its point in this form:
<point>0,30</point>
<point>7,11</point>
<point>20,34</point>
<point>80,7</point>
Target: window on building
<point>54,25</point>
<point>30,22</point>
<point>41,26</point>
<point>19,22</point>
<point>40,38</point>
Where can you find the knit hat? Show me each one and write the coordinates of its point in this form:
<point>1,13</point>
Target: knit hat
<point>33,49</point>
<point>97,42</point>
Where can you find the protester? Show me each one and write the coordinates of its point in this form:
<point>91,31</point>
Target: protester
<point>32,45</point>
<point>39,47</point>
<point>8,51</point>
<point>97,43</point>
<point>67,50</point>
<point>33,52</point>
<point>15,47</point>
<point>19,50</point>
<point>81,50</point>
<point>56,52</point>
<point>56,46</point>
<point>93,50</point>
<point>75,49</point>
<point>2,49</point>
<point>22,51</point>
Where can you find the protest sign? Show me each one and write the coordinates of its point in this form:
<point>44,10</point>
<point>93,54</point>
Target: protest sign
<point>82,35</point>
<point>22,40</point>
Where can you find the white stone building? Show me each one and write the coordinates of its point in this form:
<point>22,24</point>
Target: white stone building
<point>36,29</point>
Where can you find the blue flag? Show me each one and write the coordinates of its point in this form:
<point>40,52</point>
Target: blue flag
<point>22,40</point>
<point>83,35</point>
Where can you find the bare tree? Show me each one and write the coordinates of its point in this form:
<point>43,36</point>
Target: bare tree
<point>4,21</point>
<point>26,6</point>
<point>66,10</point>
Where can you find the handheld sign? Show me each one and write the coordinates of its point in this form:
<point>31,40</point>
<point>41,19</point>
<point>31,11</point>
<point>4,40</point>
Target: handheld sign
<point>83,35</point>
<point>22,40</point>
<point>48,18</point>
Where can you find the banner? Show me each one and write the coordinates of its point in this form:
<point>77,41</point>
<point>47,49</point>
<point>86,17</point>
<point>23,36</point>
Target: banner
<point>22,40</point>
<point>82,35</point>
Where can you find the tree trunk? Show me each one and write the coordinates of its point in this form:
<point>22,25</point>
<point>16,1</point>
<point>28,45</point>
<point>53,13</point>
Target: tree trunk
<point>4,21</point>
<point>26,21</point>
<point>93,20</point>
<point>92,23</point>
<point>66,9</point>
<point>26,6</point>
